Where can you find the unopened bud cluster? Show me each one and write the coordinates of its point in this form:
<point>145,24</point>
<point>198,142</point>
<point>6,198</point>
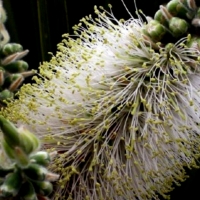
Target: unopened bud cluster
<point>23,173</point>
<point>13,70</point>
<point>173,21</point>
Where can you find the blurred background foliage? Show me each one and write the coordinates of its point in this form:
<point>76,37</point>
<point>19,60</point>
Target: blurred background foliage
<point>38,25</point>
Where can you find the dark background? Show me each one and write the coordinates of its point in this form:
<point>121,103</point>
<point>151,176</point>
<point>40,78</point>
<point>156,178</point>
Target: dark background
<point>39,24</point>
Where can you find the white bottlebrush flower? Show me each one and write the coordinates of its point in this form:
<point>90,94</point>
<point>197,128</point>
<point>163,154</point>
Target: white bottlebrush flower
<point>121,110</point>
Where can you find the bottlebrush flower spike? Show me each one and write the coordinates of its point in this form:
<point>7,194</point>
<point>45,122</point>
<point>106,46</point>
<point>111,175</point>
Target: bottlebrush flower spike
<point>121,109</point>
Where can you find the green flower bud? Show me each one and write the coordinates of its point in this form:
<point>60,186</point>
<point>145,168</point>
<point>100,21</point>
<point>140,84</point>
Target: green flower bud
<point>161,18</point>
<point>14,80</point>
<point>44,188</point>
<point>27,192</point>
<point>176,8</point>
<point>28,141</point>
<point>11,78</point>
<point>178,26</point>
<point>11,185</point>
<point>41,158</point>
<point>11,48</point>
<point>21,157</point>
<point>194,42</point>
<point>189,4</point>
<point>8,150</point>
<point>10,132</point>
<point>17,66</point>
<point>155,30</point>
<point>13,57</point>
<point>6,94</point>
<point>196,20</point>
<point>36,172</point>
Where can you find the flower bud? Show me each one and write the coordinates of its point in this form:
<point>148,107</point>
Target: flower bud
<point>14,81</point>
<point>9,151</point>
<point>194,42</point>
<point>196,20</point>
<point>11,185</point>
<point>36,172</point>
<point>178,26</point>
<point>161,18</point>
<point>10,132</point>
<point>6,94</point>
<point>13,57</point>
<point>21,157</point>
<point>16,66</point>
<point>43,187</point>
<point>11,48</point>
<point>176,8</point>
<point>189,4</point>
<point>27,191</point>
<point>165,14</point>
<point>41,158</point>
<point>28,141</point>
<point>155,30</point>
